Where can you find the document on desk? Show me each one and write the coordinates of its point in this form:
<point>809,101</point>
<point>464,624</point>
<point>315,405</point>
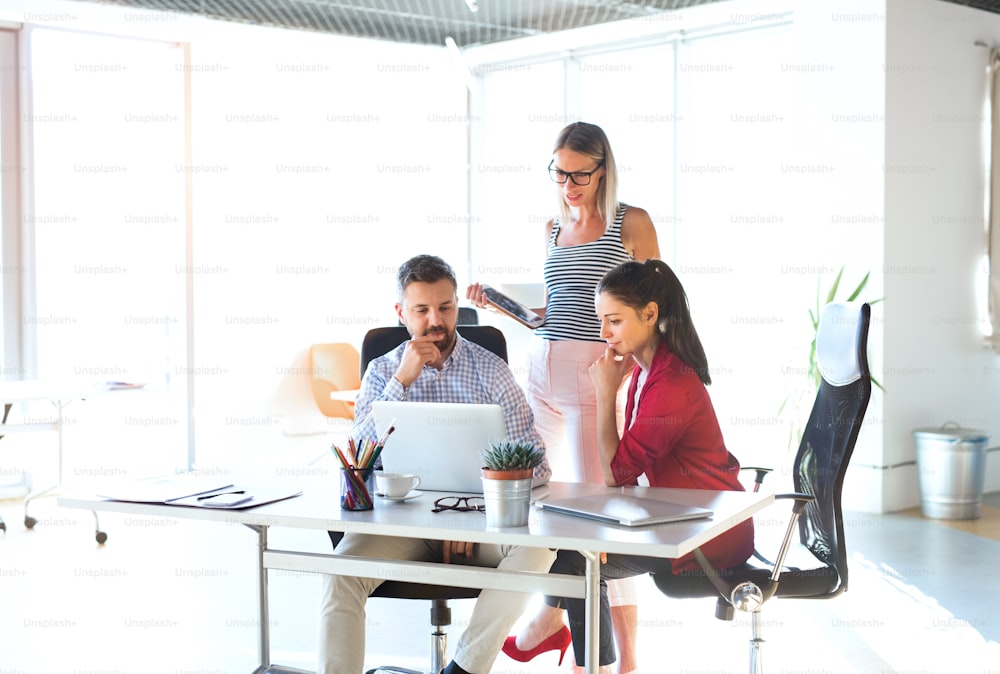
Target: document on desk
<point>195,491</point>
<point>238,498</point>
<point>164,489</point>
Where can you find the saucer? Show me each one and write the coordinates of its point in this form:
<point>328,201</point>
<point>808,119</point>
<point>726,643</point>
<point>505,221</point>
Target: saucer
<point>399,499</point>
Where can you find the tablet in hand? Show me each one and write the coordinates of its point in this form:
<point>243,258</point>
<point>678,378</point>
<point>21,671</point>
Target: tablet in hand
<point>512,308</point>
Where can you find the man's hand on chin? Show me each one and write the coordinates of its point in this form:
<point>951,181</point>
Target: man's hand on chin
<point>419,352</point>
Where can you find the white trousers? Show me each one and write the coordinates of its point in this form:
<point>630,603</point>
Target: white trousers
<point>342,609</point>
<point>564,402</point>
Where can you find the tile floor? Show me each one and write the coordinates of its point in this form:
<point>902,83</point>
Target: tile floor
<point>177,598</point>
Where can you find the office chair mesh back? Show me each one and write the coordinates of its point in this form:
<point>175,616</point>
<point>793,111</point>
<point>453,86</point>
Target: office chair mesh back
<point>830,434</point>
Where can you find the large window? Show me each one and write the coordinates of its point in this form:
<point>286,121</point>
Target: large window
<point>631,96</point>
<point>515,117</point>
<point>108,223</point>
<point>702,133</point>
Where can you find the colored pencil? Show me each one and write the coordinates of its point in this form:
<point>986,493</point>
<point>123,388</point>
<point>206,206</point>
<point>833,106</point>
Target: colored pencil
<point>355,486</point>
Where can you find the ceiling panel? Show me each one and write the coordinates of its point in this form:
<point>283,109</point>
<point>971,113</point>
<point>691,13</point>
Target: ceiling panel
<point>430,21</point>
<point>420,21</point>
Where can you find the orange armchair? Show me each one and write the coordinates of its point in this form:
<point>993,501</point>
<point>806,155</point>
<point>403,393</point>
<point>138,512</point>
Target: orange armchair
<point>333,368</point>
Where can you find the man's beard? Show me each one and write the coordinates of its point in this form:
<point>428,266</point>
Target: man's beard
<point>449,337</point>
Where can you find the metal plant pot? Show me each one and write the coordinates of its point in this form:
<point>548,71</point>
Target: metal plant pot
<point>508,497</point>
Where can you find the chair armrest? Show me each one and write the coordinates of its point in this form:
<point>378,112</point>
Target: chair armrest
<point>768,590</point>
<point>761,472</point>
<point>800,503</point>
<point>800,499</point>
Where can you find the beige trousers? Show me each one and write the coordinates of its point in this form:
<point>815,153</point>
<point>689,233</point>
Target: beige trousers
<point>342,610</point>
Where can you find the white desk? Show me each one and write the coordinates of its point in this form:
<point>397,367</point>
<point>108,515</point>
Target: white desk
<point>60,394</point>
<point>320,509</point>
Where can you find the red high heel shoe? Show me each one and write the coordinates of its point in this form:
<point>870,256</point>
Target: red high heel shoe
<point>559,641</point>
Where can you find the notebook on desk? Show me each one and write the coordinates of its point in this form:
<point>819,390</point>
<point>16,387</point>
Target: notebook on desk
<point>624,509</point>
<point>440,442</point>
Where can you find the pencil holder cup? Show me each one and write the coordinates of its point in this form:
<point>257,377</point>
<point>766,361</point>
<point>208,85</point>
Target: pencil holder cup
<point>356,488</point>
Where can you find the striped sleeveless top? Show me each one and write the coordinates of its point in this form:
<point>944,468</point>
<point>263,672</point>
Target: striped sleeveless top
<point>571,275</point>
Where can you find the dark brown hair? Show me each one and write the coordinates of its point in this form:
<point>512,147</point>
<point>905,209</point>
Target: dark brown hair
<point>636,284</point>
<point>423,269</point>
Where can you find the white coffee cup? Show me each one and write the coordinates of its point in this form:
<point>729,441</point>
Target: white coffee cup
<point>395,485</point>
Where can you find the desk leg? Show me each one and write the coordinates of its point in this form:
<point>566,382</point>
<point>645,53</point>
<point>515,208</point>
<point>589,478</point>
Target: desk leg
<point>592,606</point>
<point>263,611</point>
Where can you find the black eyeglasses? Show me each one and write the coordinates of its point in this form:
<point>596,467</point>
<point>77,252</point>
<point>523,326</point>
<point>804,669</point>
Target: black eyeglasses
<point>580,178</point>
<point>462,504</point>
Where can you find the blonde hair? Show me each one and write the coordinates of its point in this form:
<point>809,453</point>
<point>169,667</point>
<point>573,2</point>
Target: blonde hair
<point>591,141</point>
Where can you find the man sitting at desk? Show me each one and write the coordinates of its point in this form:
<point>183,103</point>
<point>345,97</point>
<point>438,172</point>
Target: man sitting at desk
<point>435,365</point>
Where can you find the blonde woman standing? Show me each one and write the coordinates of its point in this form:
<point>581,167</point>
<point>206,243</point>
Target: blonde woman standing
<point>593,233</point>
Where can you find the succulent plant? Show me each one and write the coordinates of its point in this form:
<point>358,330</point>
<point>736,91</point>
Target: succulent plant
<point>512,455</point>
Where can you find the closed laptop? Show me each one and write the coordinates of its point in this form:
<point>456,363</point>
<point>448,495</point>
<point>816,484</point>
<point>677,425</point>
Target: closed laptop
<point>624,509</point>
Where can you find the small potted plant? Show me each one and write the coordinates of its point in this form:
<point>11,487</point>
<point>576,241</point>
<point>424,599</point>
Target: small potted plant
<point>508,467</point>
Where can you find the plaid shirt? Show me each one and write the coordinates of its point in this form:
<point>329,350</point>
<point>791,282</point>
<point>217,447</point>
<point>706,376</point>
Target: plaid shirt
<point>471,374</point>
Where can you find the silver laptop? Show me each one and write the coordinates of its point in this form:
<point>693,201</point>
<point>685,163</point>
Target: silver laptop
<point>440,442</point>
<point>624,509</point>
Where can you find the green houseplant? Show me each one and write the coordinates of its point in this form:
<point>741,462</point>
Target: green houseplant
<point>507,470</point>
<point>506,457</point>
<point>797,404</point>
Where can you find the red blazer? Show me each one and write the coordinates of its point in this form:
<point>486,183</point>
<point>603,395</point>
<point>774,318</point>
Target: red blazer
<point>676,441</point>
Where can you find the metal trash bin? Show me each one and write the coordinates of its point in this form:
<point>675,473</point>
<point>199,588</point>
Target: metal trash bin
<point>951,466</point>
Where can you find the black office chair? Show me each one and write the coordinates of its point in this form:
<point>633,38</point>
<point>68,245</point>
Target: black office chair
<point>468,316</point>
<point>377,342</point>
<point>816,565</point>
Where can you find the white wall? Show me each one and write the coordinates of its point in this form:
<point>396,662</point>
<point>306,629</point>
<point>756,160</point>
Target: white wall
<point>936,367</point>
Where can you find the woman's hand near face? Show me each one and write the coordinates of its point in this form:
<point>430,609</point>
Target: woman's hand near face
<point>607,372</point>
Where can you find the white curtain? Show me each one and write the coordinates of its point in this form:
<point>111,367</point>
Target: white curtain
<point>993,224</point>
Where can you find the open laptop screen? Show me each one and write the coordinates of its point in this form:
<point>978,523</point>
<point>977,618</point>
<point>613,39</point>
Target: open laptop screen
<point>440,442</point>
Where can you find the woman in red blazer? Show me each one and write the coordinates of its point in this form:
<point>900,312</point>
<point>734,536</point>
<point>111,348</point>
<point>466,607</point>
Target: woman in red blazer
<point>671,436</point>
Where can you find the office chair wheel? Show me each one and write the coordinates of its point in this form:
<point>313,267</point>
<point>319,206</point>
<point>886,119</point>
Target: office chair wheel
<point>30,522</point>
<point>101,537</point>
<point>3,526</point>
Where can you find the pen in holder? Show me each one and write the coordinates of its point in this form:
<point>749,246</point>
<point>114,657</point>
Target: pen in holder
<point>356,488</point>
<point>357,472</point>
